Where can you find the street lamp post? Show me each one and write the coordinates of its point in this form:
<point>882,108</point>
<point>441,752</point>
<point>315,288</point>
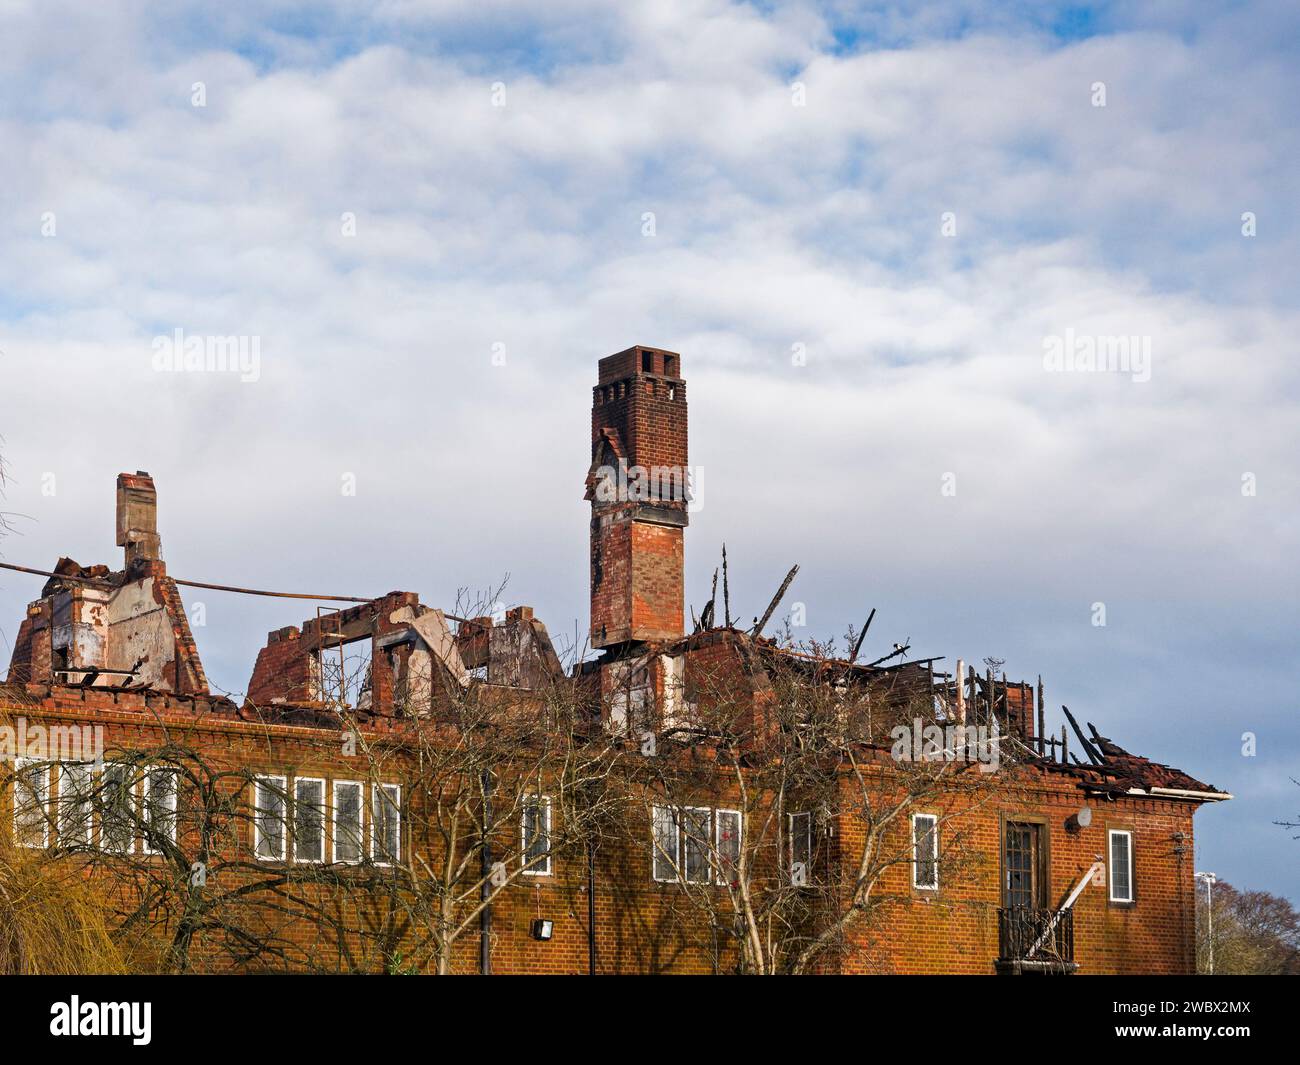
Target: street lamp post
<point>1209,879</point>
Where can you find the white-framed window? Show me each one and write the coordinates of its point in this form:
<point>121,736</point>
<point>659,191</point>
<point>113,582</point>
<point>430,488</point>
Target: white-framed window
<point>114,803</point>
<point>726,828</point>
<point>695,844</point>
<point>630,698</point>
<point>1120,876</point>
<point>349,845</point>
<point>386,823</point>
<point>31,797</point>
<point>535,835</point>
<point>76,802</point>
<point>675,711</point>
<point>800,826</point>
<point>158,808</point>
<point>269,818</point>
<point>925,851</point>
<point>308,819</point>
<point>667,842</point>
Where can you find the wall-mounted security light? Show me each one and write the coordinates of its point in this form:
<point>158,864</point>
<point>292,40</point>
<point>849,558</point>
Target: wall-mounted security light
<point>543,929</point>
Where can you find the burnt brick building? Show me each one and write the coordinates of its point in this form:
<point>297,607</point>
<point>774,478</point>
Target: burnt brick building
<point>402,789</point>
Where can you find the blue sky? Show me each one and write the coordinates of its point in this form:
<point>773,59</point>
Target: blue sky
<point>799,161</point>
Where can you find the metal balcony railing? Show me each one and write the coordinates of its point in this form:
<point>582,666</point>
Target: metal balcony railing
<point>1021,929</point>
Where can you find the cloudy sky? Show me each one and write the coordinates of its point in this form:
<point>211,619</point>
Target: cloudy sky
<point>861,224</point>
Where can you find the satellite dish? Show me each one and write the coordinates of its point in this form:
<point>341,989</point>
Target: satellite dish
<point>1084,816</point>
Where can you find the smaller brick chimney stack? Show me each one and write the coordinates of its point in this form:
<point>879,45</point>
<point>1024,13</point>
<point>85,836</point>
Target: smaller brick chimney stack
<point>137,518</point>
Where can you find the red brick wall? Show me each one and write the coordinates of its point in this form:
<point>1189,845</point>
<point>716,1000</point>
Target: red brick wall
<point>955,929</point>
<point>648,409</point>
<point>283,670</point>
<point>643,926</point>
<point>657,581</point>
<point>611,578</point>
<point>637,583</point>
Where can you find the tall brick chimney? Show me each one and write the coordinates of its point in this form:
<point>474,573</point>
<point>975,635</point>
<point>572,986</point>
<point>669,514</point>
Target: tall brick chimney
<point>137,518</point>
<point>637,486</point>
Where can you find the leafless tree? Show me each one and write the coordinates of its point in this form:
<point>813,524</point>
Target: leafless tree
<point>497,785</point>
<point>1252,933</point>
<point>779,810</point>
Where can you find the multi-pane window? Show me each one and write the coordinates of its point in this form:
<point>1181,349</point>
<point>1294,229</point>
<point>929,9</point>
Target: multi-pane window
<point>386,823</point>
<point>76,794</point>
<point>630,700</point>
<point>925,851</point>
<point>31,794</point>
<point>667,838</point>
<point>535,835</point>
<point>696,833</point>
<point>269,820</point>
<point>309,820</point>
<point>347,821</point>
<point>727,829</point>
<point>116,821</point>
<point>1121,866</point>
<point>159,808</point>
<point>675,710</point>
<point>695,844</point>
<point>800,831</point>
<point>1023,865</point>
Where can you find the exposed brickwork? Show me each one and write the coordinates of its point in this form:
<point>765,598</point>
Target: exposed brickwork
<point>113,629</point>
<point>639,427</point>
<point>403,641</point>
<point>647,408</point>
<point>283,670</point>
<point>190,678</point>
